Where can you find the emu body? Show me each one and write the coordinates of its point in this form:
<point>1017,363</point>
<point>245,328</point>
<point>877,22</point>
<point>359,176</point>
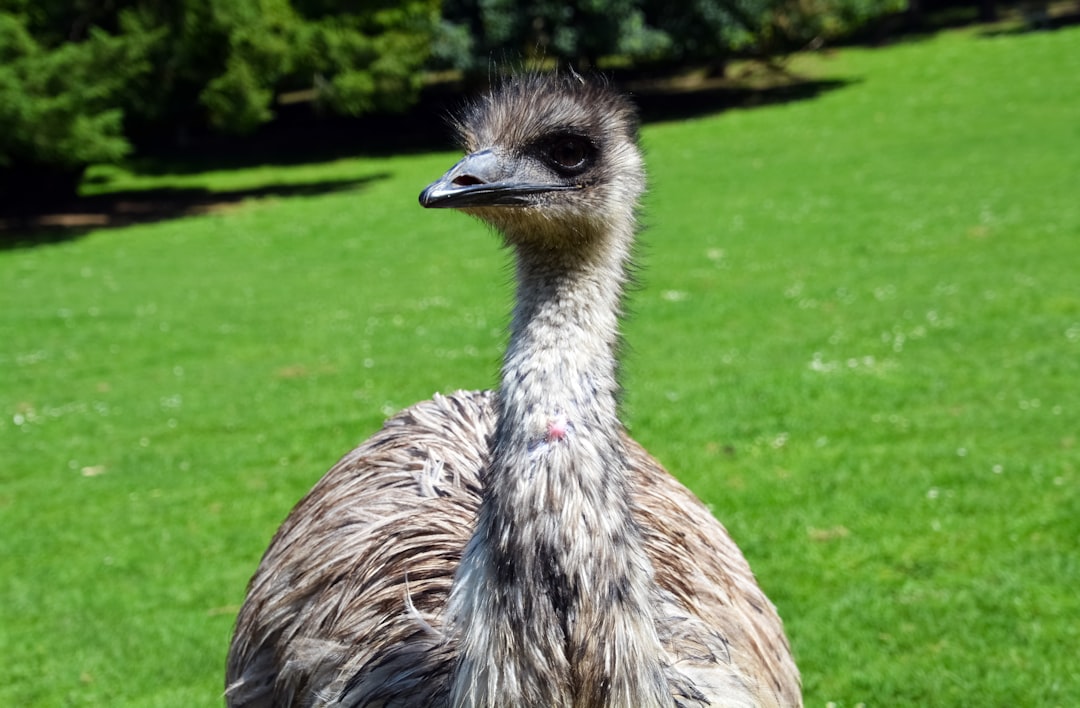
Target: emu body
<point>517,548</point>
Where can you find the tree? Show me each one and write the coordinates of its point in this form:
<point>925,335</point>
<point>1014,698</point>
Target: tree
<point>58,104</point>
<point>369,59</point>
<point>708,31</point>
<point>795,24</point>
<point>223,61</point>
<point>75,74</point>
<point>475,33</point>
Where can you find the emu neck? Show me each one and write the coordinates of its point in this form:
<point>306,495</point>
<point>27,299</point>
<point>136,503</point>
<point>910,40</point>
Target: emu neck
<point>559,586</point>
<point>561,358</point>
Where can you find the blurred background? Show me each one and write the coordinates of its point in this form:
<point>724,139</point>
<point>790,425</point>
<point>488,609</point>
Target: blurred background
<point>93,81</point>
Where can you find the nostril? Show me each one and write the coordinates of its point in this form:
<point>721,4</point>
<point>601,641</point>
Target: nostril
<point>466,181</point>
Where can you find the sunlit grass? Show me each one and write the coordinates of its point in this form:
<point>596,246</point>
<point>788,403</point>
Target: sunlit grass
<point>857,336</point>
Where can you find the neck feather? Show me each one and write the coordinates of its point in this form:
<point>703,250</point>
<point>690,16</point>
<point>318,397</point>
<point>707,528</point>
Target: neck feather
<point>552,599</point>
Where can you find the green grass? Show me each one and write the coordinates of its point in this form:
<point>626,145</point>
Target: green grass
<point>857,337</point>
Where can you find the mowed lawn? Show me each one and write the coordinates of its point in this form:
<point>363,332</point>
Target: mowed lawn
<point>856,335</point>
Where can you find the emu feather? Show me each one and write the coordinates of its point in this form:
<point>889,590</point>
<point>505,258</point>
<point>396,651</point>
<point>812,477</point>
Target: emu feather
<point>517,548</point>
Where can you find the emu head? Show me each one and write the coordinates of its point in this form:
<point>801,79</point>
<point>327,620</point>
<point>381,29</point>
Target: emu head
<point>552,161</point>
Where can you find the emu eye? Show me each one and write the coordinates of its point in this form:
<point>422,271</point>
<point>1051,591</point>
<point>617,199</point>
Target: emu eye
<point>569,153</point>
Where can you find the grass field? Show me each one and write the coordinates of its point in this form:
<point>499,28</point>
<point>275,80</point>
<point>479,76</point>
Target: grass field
<point>857,336</point>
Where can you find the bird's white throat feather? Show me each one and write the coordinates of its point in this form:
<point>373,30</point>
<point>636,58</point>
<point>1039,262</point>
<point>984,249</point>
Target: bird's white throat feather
<point>551,601</point>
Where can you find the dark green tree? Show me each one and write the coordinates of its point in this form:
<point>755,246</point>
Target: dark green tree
<point>75,73</point>
<point>223,61</point>
<point>796,24</point>
<point>365,56</point>
<point>59,104</point>
<point>478,33</point>
<point>474,34</point>
<point>707,31</point>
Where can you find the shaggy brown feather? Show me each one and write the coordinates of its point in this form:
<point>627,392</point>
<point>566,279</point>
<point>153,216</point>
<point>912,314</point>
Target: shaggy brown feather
<point>328,609</point>
<point>518,549</point>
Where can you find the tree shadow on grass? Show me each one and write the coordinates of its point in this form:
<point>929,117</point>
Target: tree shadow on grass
<point>992,20</point>
<point>660,103</point>
<point>300,136</point>
<point>28,226</point>
<point>1036,18</point>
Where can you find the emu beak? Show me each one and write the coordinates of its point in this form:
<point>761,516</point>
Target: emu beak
<point>484,179</point>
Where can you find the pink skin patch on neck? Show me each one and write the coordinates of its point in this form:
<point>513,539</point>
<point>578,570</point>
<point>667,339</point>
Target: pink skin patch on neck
<point>557,428</point>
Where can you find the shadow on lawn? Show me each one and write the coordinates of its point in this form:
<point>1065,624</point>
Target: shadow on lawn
<point>300,136</point>
<point>31,226</point>
<point>1036,19</point>
<point>661,102</point>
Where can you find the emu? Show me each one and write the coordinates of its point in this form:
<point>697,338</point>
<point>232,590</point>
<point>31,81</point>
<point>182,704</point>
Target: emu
<point>517,547</point>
